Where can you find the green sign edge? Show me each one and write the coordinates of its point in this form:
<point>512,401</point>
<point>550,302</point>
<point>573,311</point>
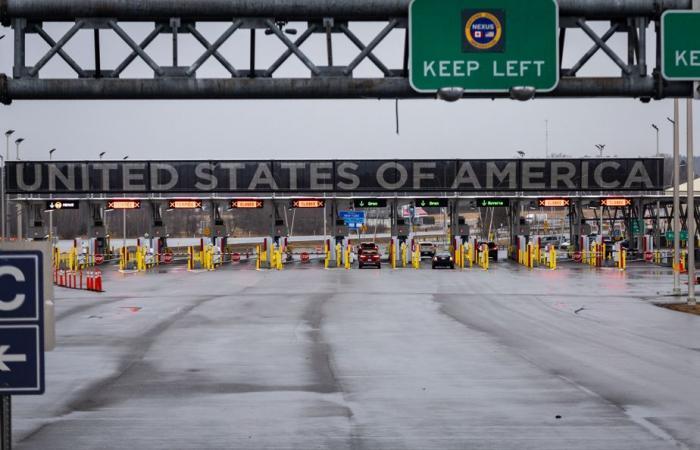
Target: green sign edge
<point>487,91</point>
<point>663,42</point>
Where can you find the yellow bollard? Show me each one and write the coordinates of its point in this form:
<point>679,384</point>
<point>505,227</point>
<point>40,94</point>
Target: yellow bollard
<point>140,266</point>
<point>552,258</point>
<point>338,255</point>
<point>485,256</point>
<point>404,255</point>
<point>392,255</point>
<point>257,259</point>
<point>624,259</point>
<point>278,258</point>
<point>347,258</point>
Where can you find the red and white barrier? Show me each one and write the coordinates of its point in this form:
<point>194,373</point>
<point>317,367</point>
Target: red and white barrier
<point>74,279</point>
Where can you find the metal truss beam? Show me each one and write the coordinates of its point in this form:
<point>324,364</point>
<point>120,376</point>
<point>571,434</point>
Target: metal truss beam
<point>218,10</point>
<point>325,80</point>
<point>298,88</point>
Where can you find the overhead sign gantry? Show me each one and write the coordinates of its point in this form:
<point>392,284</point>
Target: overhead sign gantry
<point>484,47</point>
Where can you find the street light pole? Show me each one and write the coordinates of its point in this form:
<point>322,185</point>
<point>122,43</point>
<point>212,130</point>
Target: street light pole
<point>18,204</point>
<point>691,206</point>
<point>676,199</point>
<point>51,211</point>
<point>17,142</point>
<point>657,234</point>
<point>600,148</point>
<point>124,219</point>
<point>3,200</point>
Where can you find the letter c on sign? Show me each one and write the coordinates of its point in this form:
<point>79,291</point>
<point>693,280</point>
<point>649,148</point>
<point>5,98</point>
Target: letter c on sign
<point>19,298</point>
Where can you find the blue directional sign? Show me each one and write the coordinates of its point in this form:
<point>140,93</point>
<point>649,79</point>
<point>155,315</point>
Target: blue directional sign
<point>352,216</point>
<point>21,359</point>
<point>21,322</point>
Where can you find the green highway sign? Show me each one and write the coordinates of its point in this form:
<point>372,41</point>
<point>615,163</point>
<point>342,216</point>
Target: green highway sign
<point>637,226</point>
<point>493,202</point>
<point>431,202</point>
<point>484,45</point>
<point>680,45</point>
<point>683,235</point>
<point>369,203</point>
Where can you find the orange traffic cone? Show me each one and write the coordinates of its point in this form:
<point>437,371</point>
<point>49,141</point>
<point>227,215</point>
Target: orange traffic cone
<point>98,281</point>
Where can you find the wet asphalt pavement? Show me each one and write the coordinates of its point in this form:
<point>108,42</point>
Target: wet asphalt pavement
<point>373,359</point>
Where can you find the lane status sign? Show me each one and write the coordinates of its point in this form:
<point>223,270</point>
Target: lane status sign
<point>432,203</point>
<point>680,45</point>
<point>493,202</point>
<point>21,322</point>
<point>370,203</point>
<point>55,205</point>
<point>484,45</point>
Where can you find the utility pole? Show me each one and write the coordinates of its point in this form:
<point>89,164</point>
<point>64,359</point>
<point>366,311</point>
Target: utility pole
<point>5,203</point>
<point>51,211</point>
<point>676,199</point>
<point>18,205</point>
<point>691,206</point>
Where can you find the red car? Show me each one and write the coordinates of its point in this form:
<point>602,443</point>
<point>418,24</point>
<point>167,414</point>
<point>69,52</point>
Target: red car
<point>370,258</point>
<point>367,246</point>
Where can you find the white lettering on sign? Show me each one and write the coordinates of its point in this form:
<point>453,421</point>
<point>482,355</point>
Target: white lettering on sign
<point>513,69</point>
<point>429,68</point>
<point>466,69</point>
<point>16,302</point>
<point>688,58</point>
<point>446,69</point>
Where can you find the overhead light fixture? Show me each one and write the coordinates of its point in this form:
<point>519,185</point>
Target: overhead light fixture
<point>522,93</point>
<point>450,94</point>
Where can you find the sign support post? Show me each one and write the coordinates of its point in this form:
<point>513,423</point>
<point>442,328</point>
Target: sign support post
<point>5,422</point>
<point>691,206</point>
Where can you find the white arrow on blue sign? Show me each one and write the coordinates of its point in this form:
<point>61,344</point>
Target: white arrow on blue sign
<point>21,322</point>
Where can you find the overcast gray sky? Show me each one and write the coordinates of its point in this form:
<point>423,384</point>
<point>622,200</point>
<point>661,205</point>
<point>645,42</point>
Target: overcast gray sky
<point>294,129</point>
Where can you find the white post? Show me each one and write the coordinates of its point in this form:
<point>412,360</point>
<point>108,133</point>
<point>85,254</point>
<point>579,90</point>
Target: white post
<point>124,228</point>
<point>5,203</point>
<point>676,199</point>
<point>691,206</point>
